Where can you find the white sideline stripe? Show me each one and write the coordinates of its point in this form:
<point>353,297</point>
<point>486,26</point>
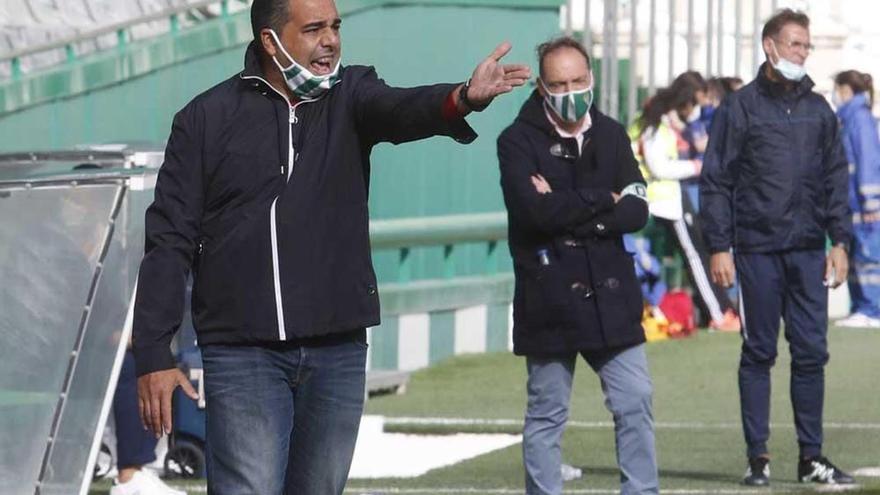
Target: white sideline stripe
<point>606,424</point>
<point>585,491</point>
<point>505,491</point>
<point>868,472</point>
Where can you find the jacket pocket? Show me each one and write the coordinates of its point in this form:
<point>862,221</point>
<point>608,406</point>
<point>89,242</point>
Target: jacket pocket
<point>547,297</point>
<point>619,294</point>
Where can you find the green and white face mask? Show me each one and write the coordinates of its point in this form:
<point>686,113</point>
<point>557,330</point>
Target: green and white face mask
<point>571,106</point>
<point>302,83</point>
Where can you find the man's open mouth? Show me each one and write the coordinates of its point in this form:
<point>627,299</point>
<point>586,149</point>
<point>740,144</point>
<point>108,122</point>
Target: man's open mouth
<point>322,66</point>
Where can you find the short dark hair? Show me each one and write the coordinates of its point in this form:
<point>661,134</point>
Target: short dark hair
<point>551,46</point>
<point>273,14</point>
<point>785,16</point>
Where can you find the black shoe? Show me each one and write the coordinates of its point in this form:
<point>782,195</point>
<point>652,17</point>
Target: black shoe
<point>758,473</point>
<point>820,470</point>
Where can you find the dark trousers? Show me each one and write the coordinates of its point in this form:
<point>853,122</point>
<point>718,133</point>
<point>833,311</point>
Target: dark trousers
<point>784,285</point>
<point>134,445</point>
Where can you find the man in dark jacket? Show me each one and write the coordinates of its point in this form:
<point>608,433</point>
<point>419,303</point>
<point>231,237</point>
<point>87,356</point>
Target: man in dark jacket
<point>774,183</point>
<point>572,188</point>
<point>263,194</point>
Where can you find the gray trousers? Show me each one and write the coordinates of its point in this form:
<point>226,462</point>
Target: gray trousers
<point>628,389</point>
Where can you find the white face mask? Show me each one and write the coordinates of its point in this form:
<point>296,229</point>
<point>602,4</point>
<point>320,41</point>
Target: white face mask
<point>302,83</point>
<point>789,70</point>
<point>694,115</point>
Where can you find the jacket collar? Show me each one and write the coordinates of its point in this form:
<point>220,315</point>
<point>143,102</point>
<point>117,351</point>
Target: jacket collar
<point>779,89</point>
<point>252,66</point>
<point>532,113</point>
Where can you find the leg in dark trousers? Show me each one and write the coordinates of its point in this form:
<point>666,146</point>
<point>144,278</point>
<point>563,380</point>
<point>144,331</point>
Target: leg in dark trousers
<point>762,285</point>
<point>135,446</point>
<point>806,329</point>
<point>787,285</point>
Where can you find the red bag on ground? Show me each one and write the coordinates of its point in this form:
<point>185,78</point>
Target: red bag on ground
<point>678,307</point>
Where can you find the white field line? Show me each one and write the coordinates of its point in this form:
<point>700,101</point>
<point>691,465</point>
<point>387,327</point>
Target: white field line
<point>868,472</point>
<point>397,421</point>
<point>579,491</point>
<point>574,491</point>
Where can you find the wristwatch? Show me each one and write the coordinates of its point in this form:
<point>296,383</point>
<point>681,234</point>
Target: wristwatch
<point>462,95</point>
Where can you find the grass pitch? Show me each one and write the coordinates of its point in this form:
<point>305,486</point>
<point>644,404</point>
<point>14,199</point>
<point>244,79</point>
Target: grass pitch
<point>696,406</point>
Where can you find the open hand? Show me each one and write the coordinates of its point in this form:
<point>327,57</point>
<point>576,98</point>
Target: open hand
<point>491,78</point>
<point>154,398</point>
<point>722,269</point>
<point>836,267</point>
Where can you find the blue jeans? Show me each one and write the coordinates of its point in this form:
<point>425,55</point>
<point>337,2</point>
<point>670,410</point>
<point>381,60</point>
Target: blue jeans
<point>786,285</point>
<point>282,419</point>
<point>864,273</point>
<point>626,383</point>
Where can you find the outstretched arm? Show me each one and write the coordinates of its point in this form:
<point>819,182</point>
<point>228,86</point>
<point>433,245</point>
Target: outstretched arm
<point>398,115</point>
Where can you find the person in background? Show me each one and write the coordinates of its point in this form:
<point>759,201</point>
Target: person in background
<point>774,188</point>
<point>718,89</point>
<point>135,446</point>
<point>696,133</point>
<point>854,96</point>
<point>572,188</point>
<point>665,154</point>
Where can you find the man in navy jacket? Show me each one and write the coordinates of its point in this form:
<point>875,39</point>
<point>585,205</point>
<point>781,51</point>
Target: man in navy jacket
<point>263,194</point>
<point>774,184</point>
<point>572,189</point>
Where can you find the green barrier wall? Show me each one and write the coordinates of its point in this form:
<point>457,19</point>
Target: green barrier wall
<point>131,94</point>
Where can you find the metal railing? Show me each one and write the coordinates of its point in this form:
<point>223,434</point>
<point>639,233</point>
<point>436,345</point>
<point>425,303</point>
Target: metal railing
<point>447,231</point>
<point>120,29</point>
<point>725,23</point>
<point>451,290</point>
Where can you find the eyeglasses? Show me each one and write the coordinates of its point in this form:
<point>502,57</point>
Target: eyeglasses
<point>798,45</point>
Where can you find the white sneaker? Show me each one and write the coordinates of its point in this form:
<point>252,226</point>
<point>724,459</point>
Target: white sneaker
<point>858,320</point>
<point>144,482</point>
<point>570,473</point>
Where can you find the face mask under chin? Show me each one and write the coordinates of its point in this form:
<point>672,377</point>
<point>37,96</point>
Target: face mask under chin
<point>300,80</point>
<point>786,68</point>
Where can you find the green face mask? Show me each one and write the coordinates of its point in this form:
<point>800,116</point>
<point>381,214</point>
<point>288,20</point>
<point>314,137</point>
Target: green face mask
<point>302,83</point>
<point>571,106</point>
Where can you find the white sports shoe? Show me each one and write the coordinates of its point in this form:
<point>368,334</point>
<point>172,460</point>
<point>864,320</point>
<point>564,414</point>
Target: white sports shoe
<point>144,482</point>
<point>859,320</point>
<point>570,473</point>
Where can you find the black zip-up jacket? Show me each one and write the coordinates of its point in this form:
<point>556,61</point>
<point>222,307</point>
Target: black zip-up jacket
<point>576,288</point>
<point>267,204</point>
<point>775,174</point>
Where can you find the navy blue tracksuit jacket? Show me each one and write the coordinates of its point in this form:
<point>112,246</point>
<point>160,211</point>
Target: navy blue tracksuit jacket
<point>774,175</point>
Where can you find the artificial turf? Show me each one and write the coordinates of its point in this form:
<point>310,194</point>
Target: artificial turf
<point>699,440</point>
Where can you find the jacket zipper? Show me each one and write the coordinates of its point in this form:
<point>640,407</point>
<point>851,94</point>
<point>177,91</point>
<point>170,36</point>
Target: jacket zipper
<point>291,155</point>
